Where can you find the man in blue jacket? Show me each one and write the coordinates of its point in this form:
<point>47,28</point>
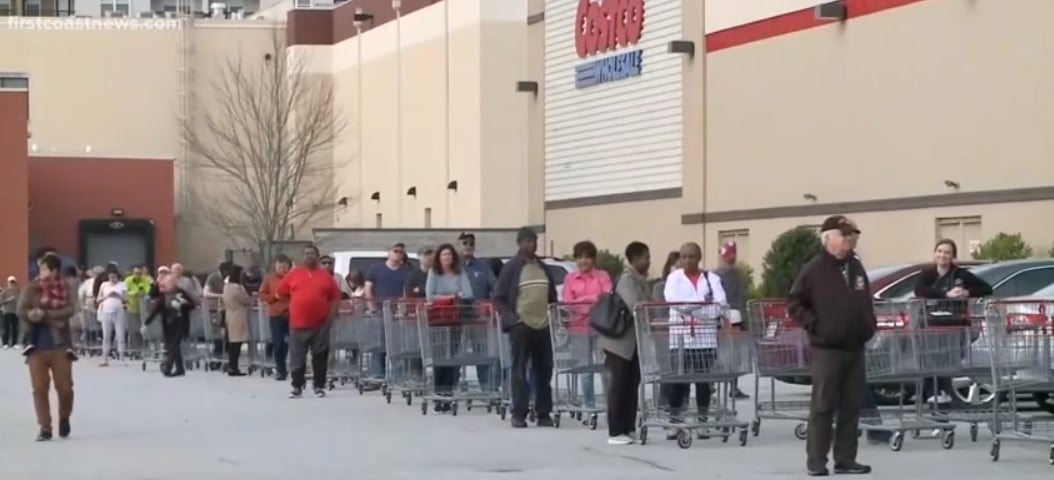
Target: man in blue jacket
<point>522,296</point>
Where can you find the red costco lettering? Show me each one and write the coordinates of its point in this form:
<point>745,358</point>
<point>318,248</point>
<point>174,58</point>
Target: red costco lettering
<point>604,25</point>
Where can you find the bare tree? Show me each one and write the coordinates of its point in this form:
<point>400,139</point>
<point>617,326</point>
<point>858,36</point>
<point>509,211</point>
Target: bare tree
<point>263,149</point>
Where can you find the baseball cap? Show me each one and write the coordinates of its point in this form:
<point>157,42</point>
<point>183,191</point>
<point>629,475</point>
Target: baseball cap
<point>728,249</point>
<point>840,223</point>
<point>526,233</point>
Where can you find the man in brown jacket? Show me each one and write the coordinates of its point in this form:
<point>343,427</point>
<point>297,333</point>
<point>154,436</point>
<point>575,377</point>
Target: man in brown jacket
<point>278,311</point>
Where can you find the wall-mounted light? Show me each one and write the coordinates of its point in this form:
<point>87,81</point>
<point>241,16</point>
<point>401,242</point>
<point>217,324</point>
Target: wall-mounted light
<point>951,184</point>
<point>527,86</point>
<point>835,11</point>
<point>810,197</point>
<point>452,186</point>
<point>117,212</point>
<point>411,192</point>
<point>362,16</point>
<point>683,47</point>
<point>343,202</point>
<point>267,57</point>
<point>376,196</point>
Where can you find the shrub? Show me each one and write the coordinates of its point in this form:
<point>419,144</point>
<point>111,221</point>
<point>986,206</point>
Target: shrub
<point>785,258</point>
<point>753,292</point>
<point>611,263</point>
<point>1004,246</point>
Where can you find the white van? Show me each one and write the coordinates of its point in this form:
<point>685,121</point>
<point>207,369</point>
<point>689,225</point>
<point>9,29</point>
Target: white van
<point>363,260</point>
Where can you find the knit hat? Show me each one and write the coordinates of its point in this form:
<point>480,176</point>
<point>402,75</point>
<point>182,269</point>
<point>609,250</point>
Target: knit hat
<point>526,233</point>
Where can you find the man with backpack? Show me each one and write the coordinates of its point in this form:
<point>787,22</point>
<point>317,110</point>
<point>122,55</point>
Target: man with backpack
<point>620,351</point>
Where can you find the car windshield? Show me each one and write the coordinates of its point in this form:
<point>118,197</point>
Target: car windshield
<point>880,272</point>
<point>1045,292</point>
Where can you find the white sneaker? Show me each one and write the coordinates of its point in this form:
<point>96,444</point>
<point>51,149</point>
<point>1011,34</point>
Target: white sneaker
<point>7,347</point>
<point>941,399</point>
<point>620,440</point>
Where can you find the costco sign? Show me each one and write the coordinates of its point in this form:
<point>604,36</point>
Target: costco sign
<point>603,26</point>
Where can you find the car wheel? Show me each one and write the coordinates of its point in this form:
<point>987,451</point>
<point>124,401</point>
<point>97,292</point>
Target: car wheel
<point>961,387</point>
<point>892,394</point>
<point>1044,400</point>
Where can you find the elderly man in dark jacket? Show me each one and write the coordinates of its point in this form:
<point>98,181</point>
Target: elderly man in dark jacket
<point>831,300</point>
<point>522,297</point>
<point>735,285</point>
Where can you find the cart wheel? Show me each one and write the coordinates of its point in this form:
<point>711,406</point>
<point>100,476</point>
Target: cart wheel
<point>643,435</point>
<point>684,439</point>
<point>388,397</point>
<point>743,438</point>
<point>948,440</point>
<point>973,432</point>
<point>801,431</point>
<point>556,420</point>
<point>593,422</point>
<point>490,408</point>
<point>424,407</point>
<point>995,451</point>
<point>896,442</point>
<point>755,427</point>
<point>361,390</point>
<point>453,409</point>
<point>1051,459</point>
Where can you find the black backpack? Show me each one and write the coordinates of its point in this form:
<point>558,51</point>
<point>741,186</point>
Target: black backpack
<point>610,316</point>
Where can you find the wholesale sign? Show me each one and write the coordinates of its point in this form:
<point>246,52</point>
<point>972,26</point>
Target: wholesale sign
<point>603,26</point>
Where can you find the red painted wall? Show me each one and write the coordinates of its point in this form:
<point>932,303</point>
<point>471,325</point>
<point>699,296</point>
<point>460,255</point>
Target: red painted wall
<point>14,194</point>
<point>65,190</point>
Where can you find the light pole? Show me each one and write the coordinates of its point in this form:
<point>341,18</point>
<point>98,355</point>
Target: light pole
<point>397,6</point>
<point>358,141</point>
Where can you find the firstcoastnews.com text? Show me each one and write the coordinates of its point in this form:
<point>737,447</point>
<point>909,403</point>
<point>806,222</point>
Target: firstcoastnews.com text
<point>83,24</point>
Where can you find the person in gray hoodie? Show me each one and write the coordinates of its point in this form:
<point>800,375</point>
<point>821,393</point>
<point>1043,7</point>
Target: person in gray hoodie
<point>736,286</point>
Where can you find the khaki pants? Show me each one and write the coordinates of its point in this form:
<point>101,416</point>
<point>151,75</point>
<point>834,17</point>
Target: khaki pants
<point>44,366</point>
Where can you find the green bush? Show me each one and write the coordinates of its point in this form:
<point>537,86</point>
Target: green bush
<point>1004,246</point>
<point>611,263</point>
<point>785,258</point>
<point>753,292</point>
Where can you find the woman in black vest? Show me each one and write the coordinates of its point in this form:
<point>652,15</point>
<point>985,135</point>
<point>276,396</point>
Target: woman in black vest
<point>948,287</point>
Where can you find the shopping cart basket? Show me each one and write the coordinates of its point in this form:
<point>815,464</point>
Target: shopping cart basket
<point>782,351</point>
<point>405,373</point>
<point>89,337</point>
<point>346,333</point>
<point>577,363</point>
<point>1018,333</point>
<point>260,339</point>
<point>455,336</point>
<point>688,343</point>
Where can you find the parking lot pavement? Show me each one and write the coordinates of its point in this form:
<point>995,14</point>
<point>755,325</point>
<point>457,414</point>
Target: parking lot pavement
<point>134,425</point>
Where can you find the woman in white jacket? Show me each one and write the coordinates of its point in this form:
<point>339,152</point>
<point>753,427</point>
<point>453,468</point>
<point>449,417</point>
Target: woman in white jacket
<point>693,329</point>
<point>112,316</point>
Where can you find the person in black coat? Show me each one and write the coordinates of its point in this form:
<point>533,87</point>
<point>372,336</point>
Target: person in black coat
<point>947,287</point>
<point>173,305</point>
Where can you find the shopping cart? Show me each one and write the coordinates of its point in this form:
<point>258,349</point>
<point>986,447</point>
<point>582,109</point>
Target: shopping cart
<point>260,339</point>
<point>369,334</point>
<point>89,334</point>
<point>405,374</point>
<point>198,348</point>
<point>1018,333</point>
<point>345,344</point>
<point>455,336</point>
<point>905,350</point>
<point>152,350</point>
<point>782,351</point>
<point>576,364</point>
<point>689,343</point>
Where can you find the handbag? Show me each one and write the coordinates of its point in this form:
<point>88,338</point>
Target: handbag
<point>610,316</point>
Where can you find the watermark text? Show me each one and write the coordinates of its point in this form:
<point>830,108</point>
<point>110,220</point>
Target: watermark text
<point>84,24</point>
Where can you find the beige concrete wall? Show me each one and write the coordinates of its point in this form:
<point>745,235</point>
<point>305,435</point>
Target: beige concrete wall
<point>942,98</point>
<point>460,118</point>
<point>536,117</point>
<point>118,92</point>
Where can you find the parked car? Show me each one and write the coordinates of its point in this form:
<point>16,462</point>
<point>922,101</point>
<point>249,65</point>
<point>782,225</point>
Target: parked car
<point>898,281</point>
<point>558,268</point>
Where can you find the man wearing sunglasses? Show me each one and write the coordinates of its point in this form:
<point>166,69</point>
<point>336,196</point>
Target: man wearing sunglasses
<point>385,281</point>
<point>481,277</point>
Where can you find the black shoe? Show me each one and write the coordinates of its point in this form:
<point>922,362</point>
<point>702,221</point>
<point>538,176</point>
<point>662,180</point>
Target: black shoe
<point>44,435</point>
<point>235,373</point>
<point>64,428</point>
<point>817,472</point>
<point>852,469</point>
<point>296,393</point>
<point>320,392</point>
<point>280,377</point>
<point>519,423</point>
<point>544,421</point>
<point>738,395</point>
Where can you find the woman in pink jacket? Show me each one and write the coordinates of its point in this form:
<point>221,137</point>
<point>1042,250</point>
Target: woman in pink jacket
<point>582,288</point>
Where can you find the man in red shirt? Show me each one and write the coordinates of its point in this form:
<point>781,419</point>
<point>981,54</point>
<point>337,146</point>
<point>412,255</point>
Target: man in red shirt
<point>313,298</point>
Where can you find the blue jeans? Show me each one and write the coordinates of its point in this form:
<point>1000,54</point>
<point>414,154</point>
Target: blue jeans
<point>280,342</point>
